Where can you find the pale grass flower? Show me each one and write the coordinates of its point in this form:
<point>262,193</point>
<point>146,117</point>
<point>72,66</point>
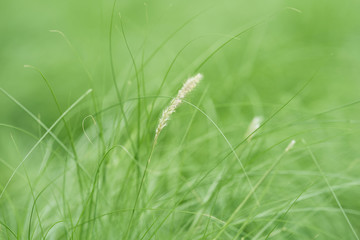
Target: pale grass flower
<point>290,146</point>
<point>254,125</point>
<point>188,86</point>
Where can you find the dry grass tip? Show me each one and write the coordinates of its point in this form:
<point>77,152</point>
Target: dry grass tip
<point>188,86</point>
<point>290,146</point>
<point>254,125</point>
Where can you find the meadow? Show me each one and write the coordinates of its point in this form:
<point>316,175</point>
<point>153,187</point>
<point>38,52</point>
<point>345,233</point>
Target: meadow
<point>179,119</point>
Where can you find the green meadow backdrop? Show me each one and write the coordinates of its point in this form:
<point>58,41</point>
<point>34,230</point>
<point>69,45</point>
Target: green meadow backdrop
<point>84,83</point>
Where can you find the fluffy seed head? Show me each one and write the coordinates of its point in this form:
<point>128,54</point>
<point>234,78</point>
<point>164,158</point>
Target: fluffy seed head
<point>255,124</point>
<point>188,86</point>
<point>290,146</point>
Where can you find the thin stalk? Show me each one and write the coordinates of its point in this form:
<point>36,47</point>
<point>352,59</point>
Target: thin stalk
<point>114,78</point>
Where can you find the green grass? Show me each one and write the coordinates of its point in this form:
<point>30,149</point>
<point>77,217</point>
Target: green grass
<point>77,123</point>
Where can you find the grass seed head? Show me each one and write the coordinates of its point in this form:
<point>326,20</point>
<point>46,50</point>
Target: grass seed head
<point>255,124</point>
<point>188,86</point>
<point>290,146</point>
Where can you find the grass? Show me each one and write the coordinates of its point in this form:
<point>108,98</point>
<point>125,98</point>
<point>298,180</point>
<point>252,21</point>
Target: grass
<point>77,151</point>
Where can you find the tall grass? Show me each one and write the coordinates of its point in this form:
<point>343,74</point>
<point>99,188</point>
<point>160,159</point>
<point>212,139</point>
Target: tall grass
<point>266,147</point>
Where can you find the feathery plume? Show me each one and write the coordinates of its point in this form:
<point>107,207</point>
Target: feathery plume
<point>290,146</point>
<point>188,86</point>
<point>255,124</point>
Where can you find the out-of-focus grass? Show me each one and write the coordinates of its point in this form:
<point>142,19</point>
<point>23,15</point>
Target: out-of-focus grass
<point>82,181</point>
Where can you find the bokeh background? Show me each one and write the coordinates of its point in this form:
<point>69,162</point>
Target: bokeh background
<point>286,43</point>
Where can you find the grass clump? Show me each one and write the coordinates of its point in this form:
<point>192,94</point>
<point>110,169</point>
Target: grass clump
<point>265,148</point>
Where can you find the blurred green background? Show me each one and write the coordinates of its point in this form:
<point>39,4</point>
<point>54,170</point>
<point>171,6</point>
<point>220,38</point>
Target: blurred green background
<point>289,42</point>
<point>288,45</point>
